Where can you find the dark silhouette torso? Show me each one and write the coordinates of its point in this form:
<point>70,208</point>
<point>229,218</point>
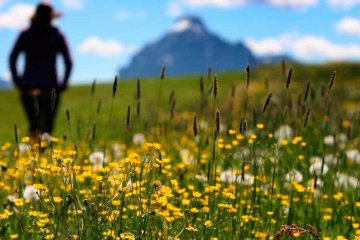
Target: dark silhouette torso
<point>41,44</point>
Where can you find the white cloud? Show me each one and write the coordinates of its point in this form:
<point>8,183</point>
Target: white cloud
<point>174,9</point>
<point>343,3</point>
<point>297,4</point>
<point>216,3</point>
<point>349,26</point>
<point>265,47</point>
<point>127,14</point>
<point>73,4</point>
<point>293,3</point>
<point>6,76</point>
<point>100,47</point>
<point>17,17</point>
<point>312,46</point>
<point>307,48</point>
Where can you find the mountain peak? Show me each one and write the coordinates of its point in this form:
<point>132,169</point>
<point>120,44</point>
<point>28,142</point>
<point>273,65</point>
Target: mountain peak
<point>188,23</point>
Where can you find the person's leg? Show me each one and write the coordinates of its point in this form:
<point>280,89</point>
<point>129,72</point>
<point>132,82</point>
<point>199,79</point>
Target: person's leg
<point>50,106</point>
<point>31,110</point>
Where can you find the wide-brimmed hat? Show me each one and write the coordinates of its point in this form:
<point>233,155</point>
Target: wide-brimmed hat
<point>45,12</point>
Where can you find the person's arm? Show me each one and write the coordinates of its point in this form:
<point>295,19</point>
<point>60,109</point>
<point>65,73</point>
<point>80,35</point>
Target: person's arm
<point>64,51</point>
<point>18,48</point>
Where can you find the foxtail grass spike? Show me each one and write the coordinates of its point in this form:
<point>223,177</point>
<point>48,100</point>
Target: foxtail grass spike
<point>307,91</point>
<point>195,126</point>
<point>267,102</point>
<point>162,75</point>
<point>93,87</point>
<point>98,108</point>
<point>138,89</point>
<point>307,116</point>
<point>247,69</point>
<point>241,130</point>
<point>94,132</point>
<point>245,126</point>
<point>289,78</point>
<point>233,91</point>
<point>16,135</point>
<point>128,117</point>
<point>332,80</point>
<point>217,121</point>
<point>202,85</point>
<point>215,87</point>
<point>172,96</point>
<point>115,86</point>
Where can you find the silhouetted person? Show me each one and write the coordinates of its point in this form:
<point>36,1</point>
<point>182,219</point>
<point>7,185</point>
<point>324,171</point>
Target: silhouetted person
<point>40,89</point>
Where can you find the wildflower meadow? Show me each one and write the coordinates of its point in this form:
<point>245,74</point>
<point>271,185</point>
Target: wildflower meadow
<point>224,156</point>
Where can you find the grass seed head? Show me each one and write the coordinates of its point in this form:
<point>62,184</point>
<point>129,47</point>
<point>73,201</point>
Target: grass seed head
<point>93,86</point>
<point>247,69</point>
<point>138,89</point>
<point>195,126</point>
<point>267,102</point>
<point>307,91</point>
<point>332,80</point>
<point>215,87</point>
<point>162,75</point>
<point>307,116</point>
<point>115,86</point>
<point>289,78</point>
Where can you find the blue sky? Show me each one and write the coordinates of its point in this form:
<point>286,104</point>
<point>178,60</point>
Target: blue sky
<point>103,35</point>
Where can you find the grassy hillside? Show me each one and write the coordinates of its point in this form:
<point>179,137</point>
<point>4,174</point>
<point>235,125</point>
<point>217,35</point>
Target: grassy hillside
<point>82,105</point>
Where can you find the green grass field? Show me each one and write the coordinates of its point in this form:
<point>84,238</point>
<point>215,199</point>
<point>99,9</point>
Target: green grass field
<point>229,163</point>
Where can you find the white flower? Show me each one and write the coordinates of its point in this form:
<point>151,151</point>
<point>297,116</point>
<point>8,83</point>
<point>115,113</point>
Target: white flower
<point>283,132</point>
<point>138,139</point>
<point>23,147</point>
<point>331,159</point>
<point>294,175</point>
<point>12,198</point>
<point>46,137</point>
<point>117,150</point>
<point>203,125</point>
<point>352,154</point>
<point>343,180</point>
<point>186,156</point>
<point>97,159</point>
<point>230,177</point>
<point>239,155</point>
<point>319,183</point>
<point>247,181</point>
<point>357,159</point>
<point>222,128</point>
<point>227,176</point>
<point>315,159</point>
<point>30,193</point>
<point>329,140</point>
<point>201,178</point>
<point>129,186</point>
<point>315,168</point>
<point>341,137</point>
